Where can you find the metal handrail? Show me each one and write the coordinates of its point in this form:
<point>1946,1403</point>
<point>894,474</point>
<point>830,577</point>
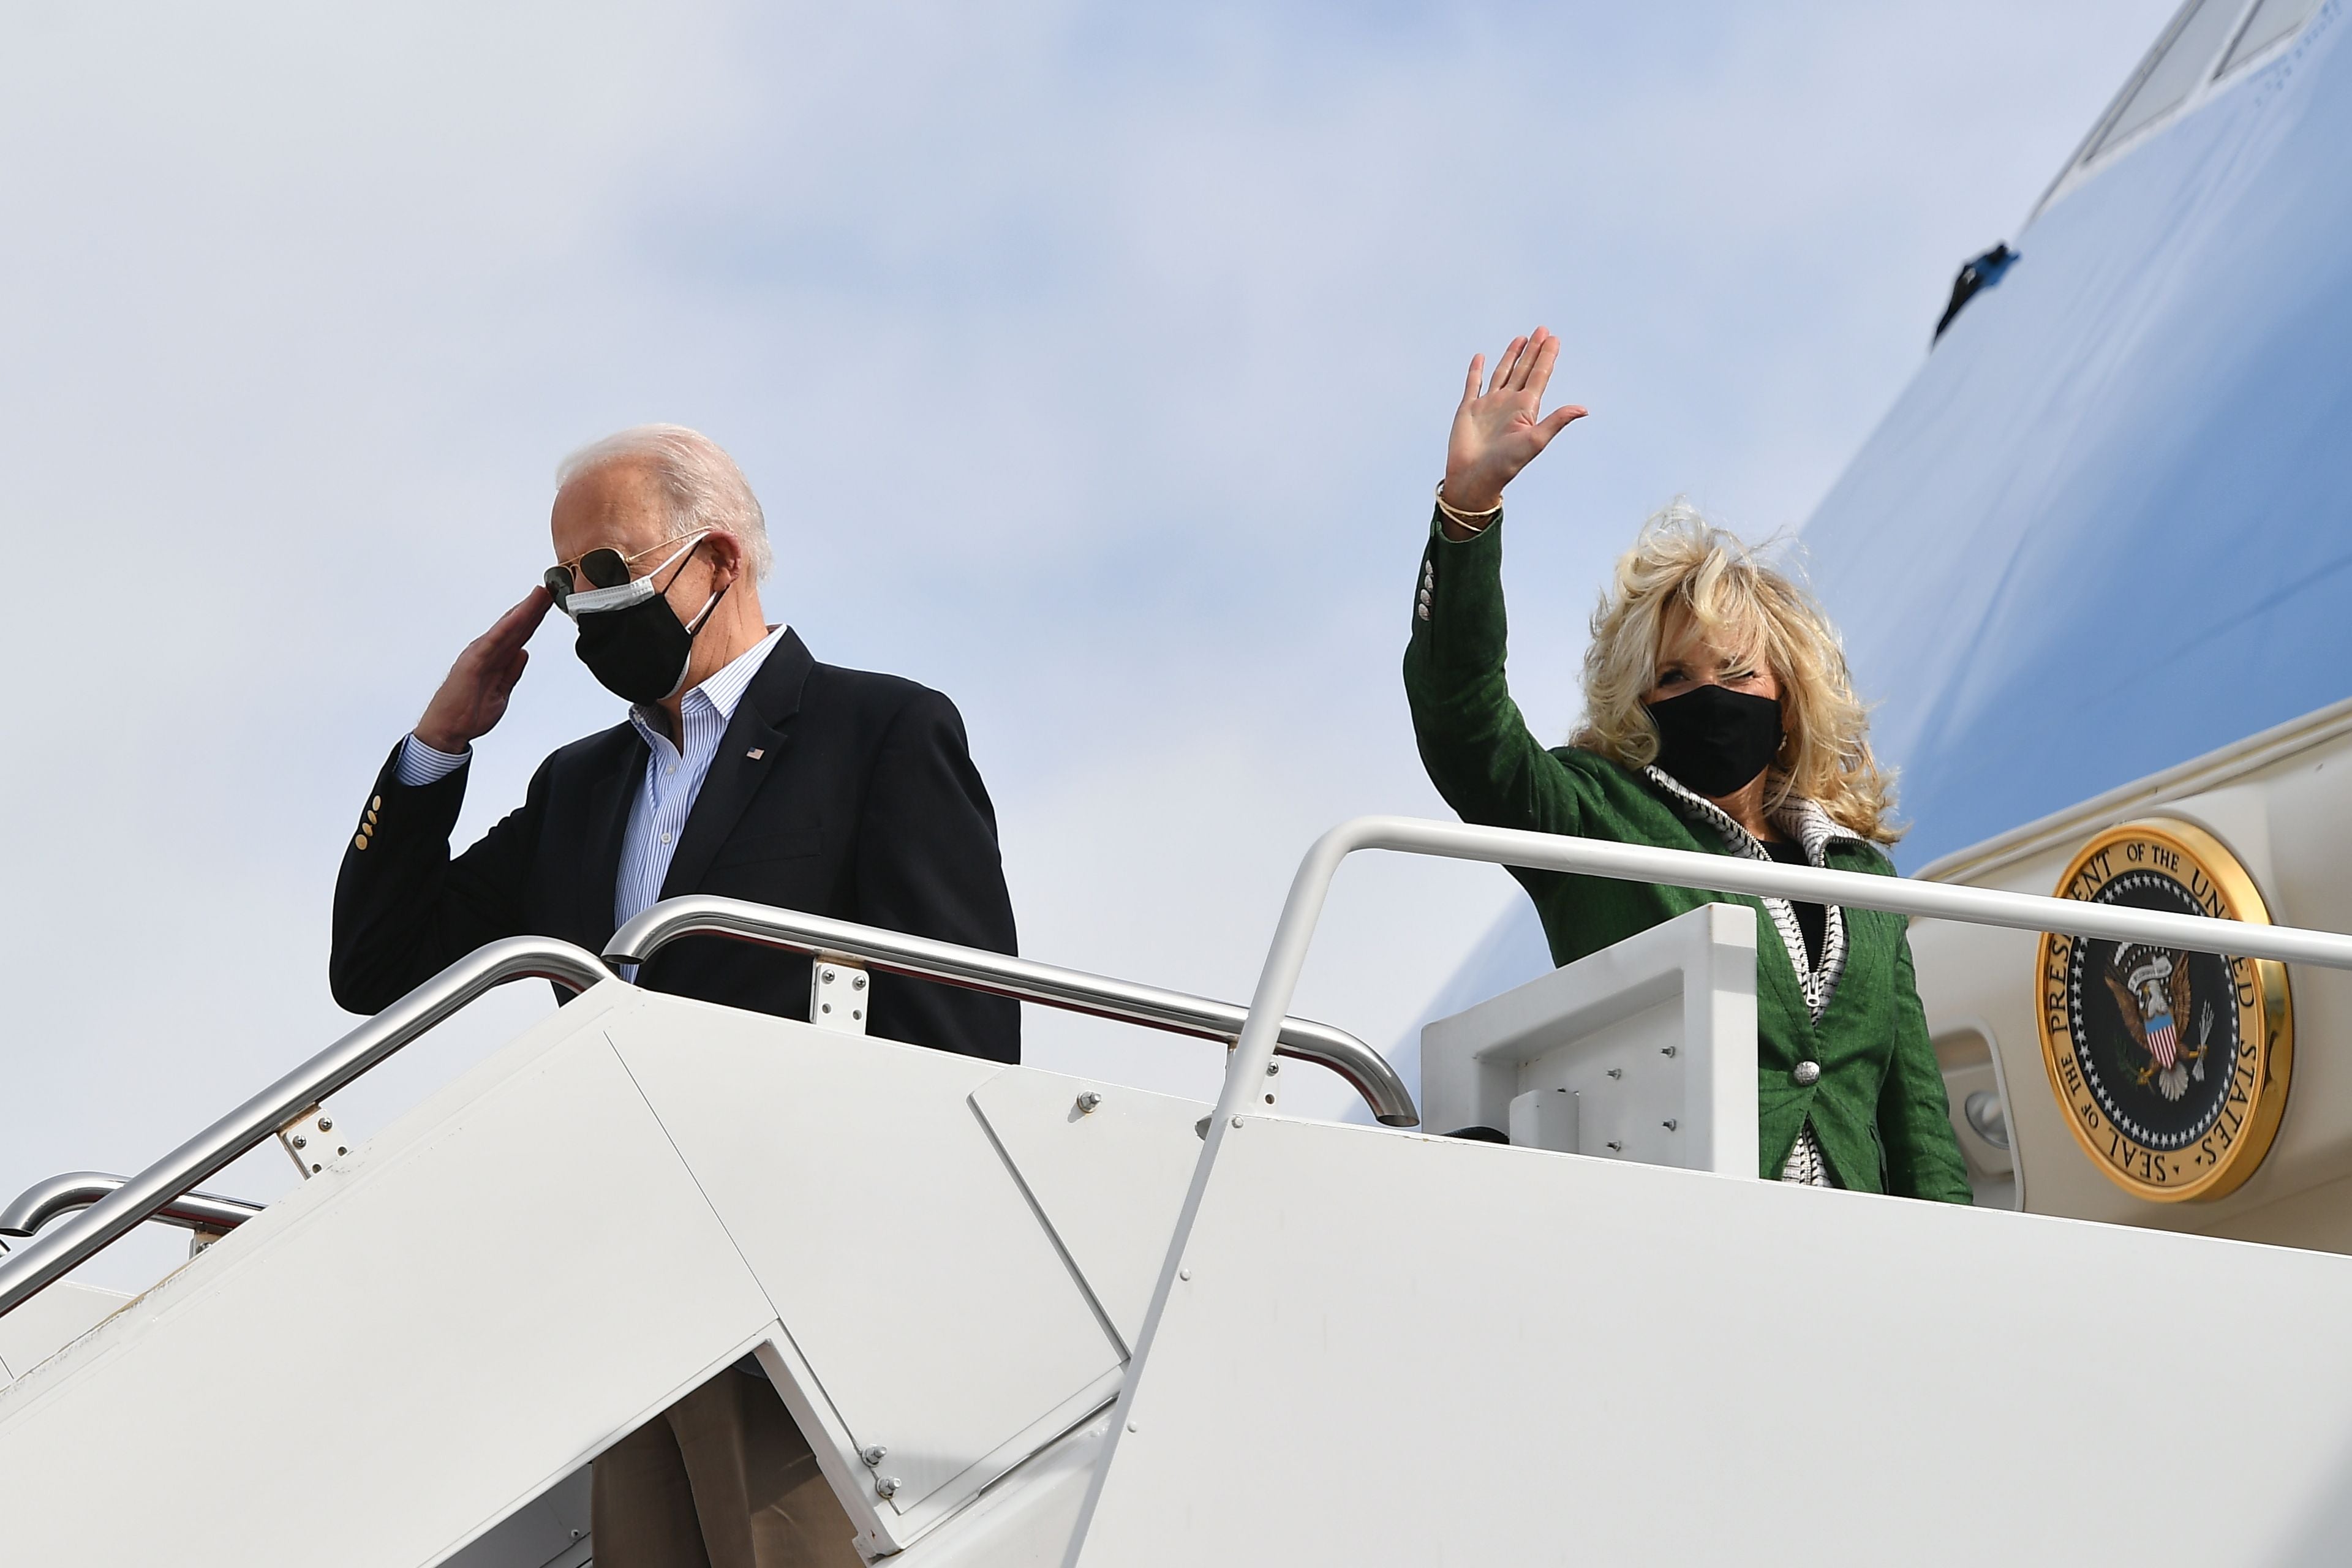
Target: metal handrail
<point>54,1252</point>
<point>44,1201</point>
<point>1715,873</point>
<point>1002,974</point>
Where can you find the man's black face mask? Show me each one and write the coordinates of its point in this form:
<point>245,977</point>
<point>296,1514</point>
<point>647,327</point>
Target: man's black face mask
<point>632,641</point>
<point>1713,740</point>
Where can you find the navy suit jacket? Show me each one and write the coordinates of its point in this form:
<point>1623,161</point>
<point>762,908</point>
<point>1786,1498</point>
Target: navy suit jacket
<point>861,803</point>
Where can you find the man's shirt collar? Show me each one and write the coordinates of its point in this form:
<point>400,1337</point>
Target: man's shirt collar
<point>722,693</point>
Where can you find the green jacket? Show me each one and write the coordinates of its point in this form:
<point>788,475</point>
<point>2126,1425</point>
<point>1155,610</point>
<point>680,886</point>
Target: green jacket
<point>1878,1107</point>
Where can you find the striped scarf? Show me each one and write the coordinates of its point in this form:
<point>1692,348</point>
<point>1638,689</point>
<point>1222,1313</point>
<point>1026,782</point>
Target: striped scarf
<point>1810,826</point>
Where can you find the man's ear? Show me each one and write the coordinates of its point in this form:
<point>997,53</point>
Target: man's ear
<point>726,556</point>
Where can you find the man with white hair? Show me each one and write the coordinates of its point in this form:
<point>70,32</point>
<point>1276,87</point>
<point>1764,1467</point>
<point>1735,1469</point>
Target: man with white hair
<point>744,768</point>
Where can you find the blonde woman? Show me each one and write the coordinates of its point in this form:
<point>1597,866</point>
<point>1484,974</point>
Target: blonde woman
<point>1719,718</point>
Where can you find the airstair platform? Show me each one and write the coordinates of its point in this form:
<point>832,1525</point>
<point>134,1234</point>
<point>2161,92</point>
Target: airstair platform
<point>1027,1318</point>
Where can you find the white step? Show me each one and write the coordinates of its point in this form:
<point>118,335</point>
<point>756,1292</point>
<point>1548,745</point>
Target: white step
<point>414,1346</point>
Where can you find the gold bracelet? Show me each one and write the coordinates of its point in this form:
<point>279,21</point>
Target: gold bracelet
<point>1475,522</point>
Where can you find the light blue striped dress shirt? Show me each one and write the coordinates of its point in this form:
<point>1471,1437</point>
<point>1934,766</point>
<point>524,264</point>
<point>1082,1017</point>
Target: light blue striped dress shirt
<point>665,796</point>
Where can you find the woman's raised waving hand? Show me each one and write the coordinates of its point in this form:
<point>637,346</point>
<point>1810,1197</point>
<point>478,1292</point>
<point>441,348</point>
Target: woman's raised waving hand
<point>1498,431</point>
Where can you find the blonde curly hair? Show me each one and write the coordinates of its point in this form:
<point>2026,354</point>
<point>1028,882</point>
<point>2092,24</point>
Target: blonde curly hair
<point>1682,566</point>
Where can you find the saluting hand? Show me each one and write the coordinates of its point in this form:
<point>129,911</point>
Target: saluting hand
<point>1498,432</point>
<point>473,697</point>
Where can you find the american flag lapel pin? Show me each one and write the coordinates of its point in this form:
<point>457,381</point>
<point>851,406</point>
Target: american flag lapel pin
<point>756,752</point>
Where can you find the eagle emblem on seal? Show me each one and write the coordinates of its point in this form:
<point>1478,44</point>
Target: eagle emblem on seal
<point>2151,988</point>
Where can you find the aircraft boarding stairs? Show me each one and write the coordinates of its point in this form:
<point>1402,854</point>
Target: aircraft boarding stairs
<point>1025,1318</point>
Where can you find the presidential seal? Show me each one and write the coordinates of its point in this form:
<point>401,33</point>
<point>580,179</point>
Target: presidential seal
<point>2171,1066</point>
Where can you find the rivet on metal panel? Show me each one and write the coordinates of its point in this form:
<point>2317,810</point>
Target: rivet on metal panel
<point>1183,1274</point>
<point>872,1454</point>
<point>1669,1124</point>
<point>1087,1101</point>
<point>1131,1427</point>
<point>1616,1072</point>
<point>1237,1121</point>
<point>835,999</point>
<point>307,1159</point>
<point>888,1486</point>
<point>1272,1069</point>
<point>1665,1051</point>
<point>1615,1147</point>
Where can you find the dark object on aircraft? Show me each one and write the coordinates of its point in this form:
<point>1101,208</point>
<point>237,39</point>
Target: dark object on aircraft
<point>1982,273</point>
<point>1481,1134</point>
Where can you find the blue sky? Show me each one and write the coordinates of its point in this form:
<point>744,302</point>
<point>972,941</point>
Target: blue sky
<point>1093,364</point>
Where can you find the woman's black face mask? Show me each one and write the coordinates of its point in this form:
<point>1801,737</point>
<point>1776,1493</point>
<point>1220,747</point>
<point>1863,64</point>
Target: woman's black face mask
<point>1713,740</point>
<point>631,641</point>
